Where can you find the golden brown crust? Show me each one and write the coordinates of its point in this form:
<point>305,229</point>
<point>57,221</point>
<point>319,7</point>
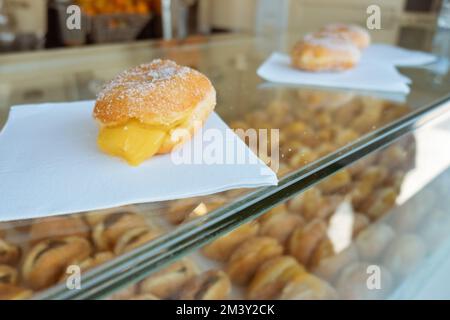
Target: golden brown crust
<point>311,204</point>
<point>272,276</point>
<point>380,202</point>
<point>338,182</point>
<point>210,285</point>
<point>93,218</point>
<point>9,253</point>
<point>134,238</point>
<point>223,247</point>
<point>58,227</point>
<point>322,251</point>
<point>179,210</point>
<point>281,226</point>
<point>165,283</point>
<point>249,256</point>
<point>160,93</point>
<point>8,275</point>
<point>107,232</point>
<point>278,210</point>
<point>304,240</point>
<point>324,52</point>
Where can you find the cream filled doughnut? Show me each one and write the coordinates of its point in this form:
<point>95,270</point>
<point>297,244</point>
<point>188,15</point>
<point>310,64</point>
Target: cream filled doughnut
<point>151,109</point>
<point>323,51</point>
<point>359,36</point>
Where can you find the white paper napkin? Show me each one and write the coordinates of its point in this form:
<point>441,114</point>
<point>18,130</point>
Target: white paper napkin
<point>376,71</point>
<point>396,56</point>
<point>50,165</point>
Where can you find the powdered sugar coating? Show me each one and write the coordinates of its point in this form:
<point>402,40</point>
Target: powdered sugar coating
<point>332,41</point>
<point>136,81</point>
<point>159,93</point>
<point>322,51</point>
<point>356,34</point>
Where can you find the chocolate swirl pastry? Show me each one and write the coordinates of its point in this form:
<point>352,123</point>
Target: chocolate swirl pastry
<point>107,232</point>
<point>222,248</point>
<point>9,253</point>
<point>8,275</point>
<point>210,285</point>
<point>280,226</point>
<point>134,238</point>
<point>166,283</point>
<point>93,218</point>
<point>249,256</point>
<point>313,204</point>
<point>272,276</point>
<point>304,240</point>
<point>323,250</point>
<point>46,262</point>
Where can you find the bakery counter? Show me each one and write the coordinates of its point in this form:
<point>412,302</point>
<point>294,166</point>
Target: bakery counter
<point>372,230</point>
<point>384,210</point>
<point>376,229</point>
<point>353,168</point>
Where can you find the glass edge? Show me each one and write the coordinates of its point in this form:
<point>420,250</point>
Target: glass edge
<point>101,281</point>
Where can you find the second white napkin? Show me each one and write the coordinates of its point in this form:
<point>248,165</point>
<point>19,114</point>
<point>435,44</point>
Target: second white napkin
<point>376,71</point>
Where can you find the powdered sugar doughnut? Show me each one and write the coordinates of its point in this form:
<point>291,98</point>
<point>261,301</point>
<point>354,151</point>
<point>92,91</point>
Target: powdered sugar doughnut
<point>159,94</point>
<point>322,51</point>
<point>359,36</point>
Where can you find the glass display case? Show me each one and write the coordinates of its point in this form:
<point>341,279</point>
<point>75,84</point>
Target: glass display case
<point>359,210</point>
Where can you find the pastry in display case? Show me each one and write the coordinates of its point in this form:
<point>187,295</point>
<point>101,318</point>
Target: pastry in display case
<point>311,263</point>
<point>289,252</point>
<point>355,200</point>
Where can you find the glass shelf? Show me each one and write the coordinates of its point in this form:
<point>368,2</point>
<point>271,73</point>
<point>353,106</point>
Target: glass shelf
<point>338,128</point>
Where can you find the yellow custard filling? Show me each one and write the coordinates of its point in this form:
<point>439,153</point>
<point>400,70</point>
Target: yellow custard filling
<point>132,141</point>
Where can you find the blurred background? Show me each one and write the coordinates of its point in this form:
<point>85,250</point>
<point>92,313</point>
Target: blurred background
<point>41,24</point>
